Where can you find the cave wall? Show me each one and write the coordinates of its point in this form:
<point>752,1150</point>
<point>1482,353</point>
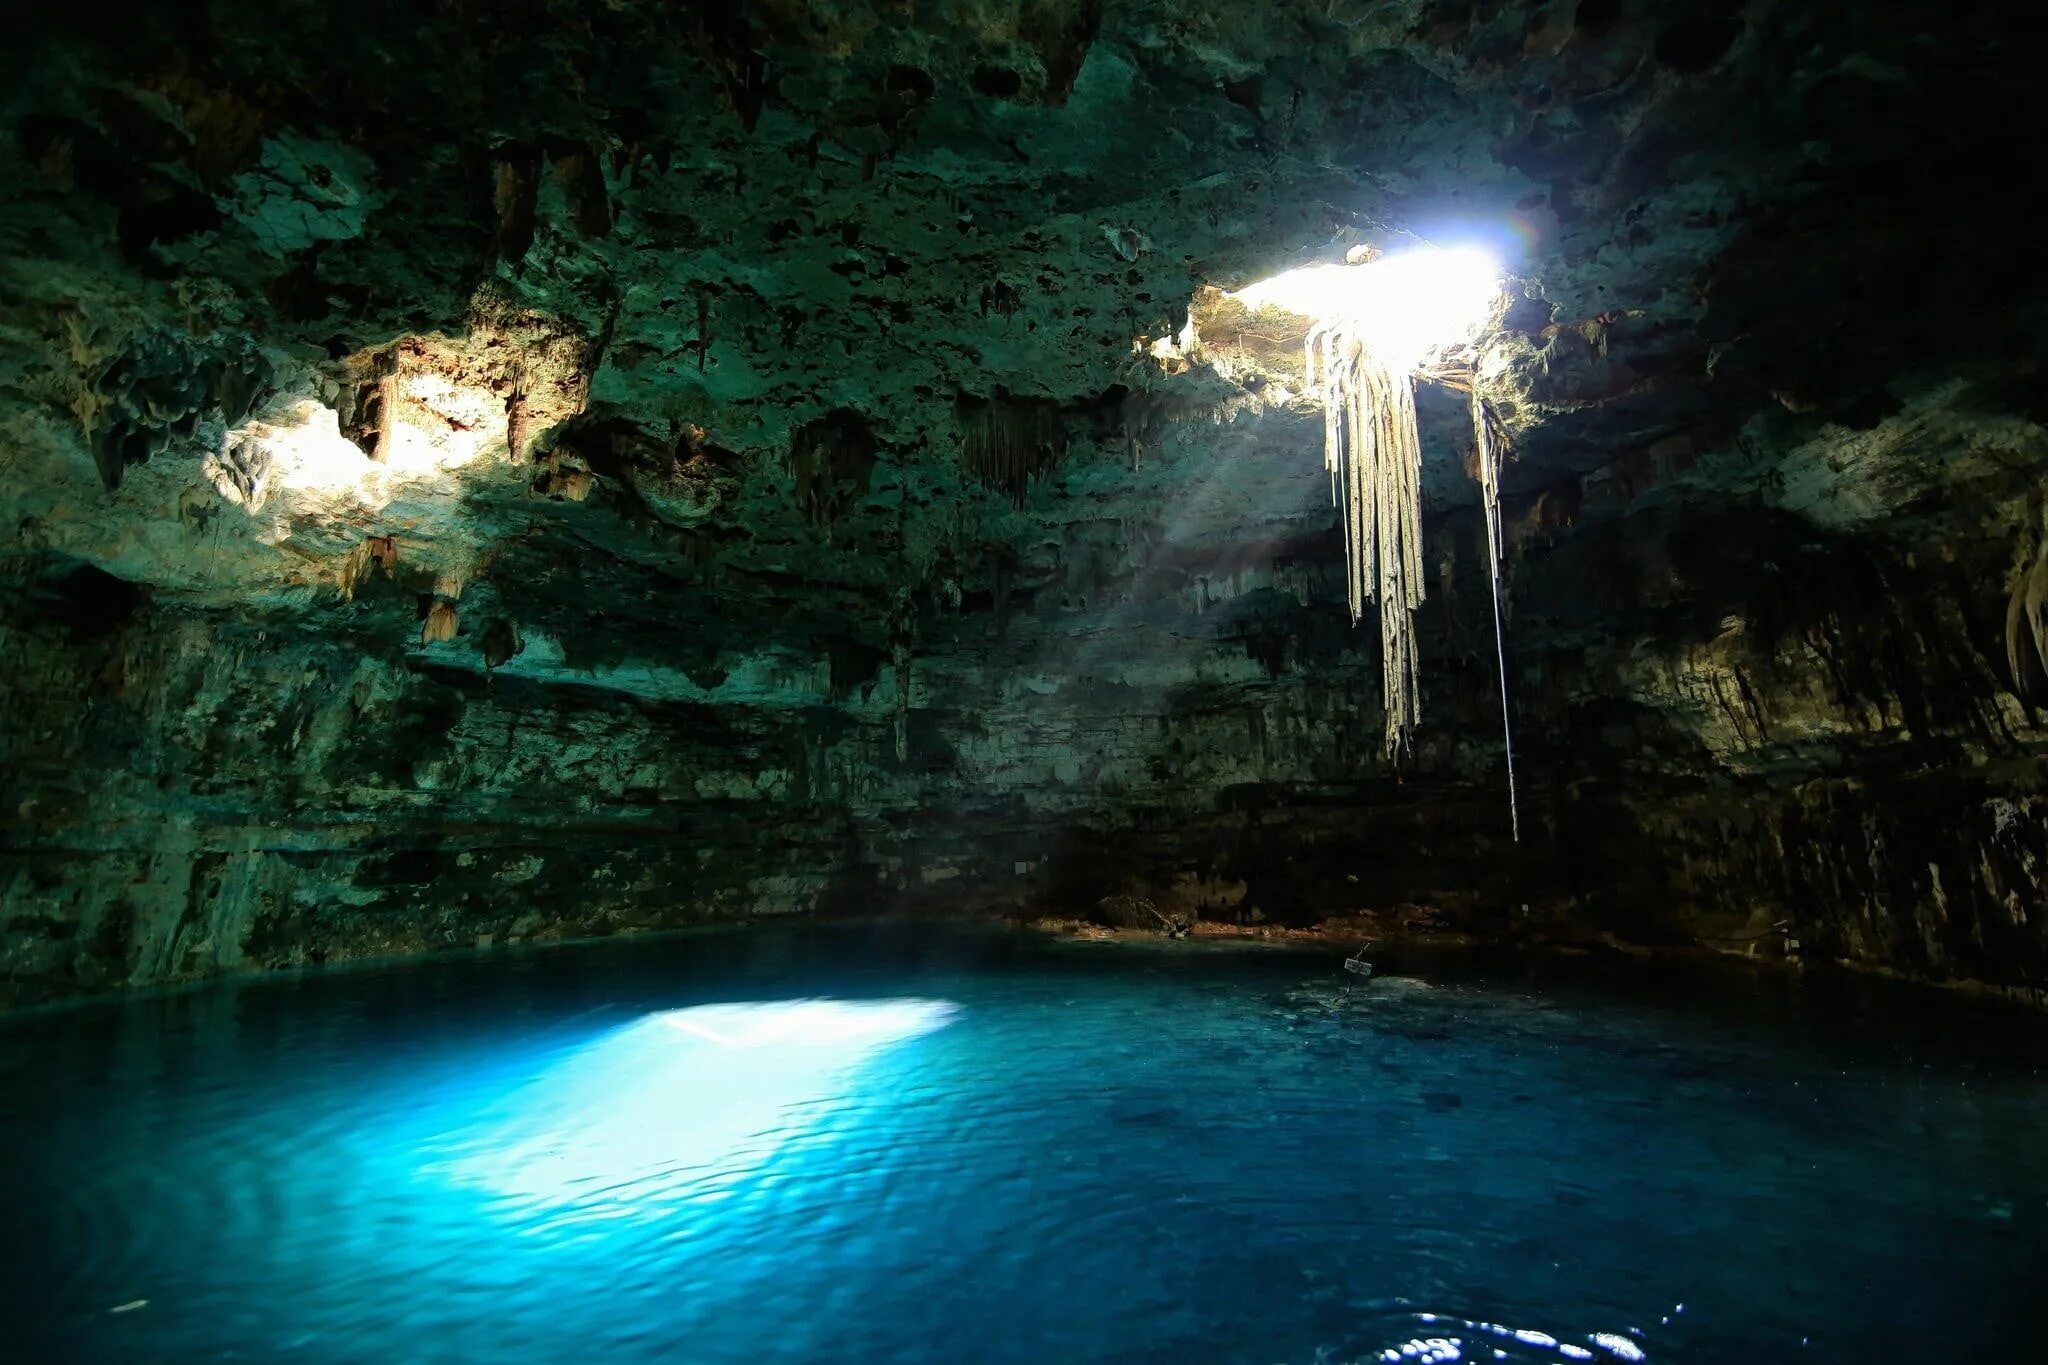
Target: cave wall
<point>652,464</point>
<point>1733,728</point>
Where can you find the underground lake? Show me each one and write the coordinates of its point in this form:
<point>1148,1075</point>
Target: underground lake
<point>920,1145</point>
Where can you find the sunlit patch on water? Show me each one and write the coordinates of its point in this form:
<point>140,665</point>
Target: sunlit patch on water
<point>671,1108</point>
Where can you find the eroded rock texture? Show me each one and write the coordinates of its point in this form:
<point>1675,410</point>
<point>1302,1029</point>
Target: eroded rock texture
<point>476,472</point>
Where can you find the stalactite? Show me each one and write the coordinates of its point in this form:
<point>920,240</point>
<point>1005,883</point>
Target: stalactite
<point>1008,443</point>
<point>440,623</point>
<point>900,657</point>
<point>516,426</point>
<point>831,462</point>
<point>499,643</point>
<point>366,556</point>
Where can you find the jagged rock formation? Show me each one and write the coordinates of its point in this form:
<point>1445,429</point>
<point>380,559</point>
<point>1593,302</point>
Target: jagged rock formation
<point>475,475</point>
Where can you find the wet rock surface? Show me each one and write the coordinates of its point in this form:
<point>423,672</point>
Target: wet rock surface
<point>475,476</point>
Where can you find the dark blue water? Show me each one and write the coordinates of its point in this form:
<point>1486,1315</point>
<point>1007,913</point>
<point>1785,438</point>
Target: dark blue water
<point>983,1149</point>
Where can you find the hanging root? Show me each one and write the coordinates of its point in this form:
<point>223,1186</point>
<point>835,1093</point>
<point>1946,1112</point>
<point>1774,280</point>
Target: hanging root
<point>1489,490</point>
<point>1373,452</point>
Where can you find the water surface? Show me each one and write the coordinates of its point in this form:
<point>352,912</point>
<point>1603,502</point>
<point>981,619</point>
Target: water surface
<point>974,1147</point>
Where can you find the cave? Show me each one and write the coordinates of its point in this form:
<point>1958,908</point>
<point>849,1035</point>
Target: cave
<point>838,679</point>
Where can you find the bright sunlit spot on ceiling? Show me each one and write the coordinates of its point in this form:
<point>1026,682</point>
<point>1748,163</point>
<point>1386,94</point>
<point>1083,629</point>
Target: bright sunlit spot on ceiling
<point>1403,306</point>
<point>436,426</point>
<point>676,1106</point>
<point>302,448</point>
<point>442,425</point>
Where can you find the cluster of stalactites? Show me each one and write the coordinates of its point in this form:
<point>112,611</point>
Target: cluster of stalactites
<point>1008,443</point>
<point>1373,452</point>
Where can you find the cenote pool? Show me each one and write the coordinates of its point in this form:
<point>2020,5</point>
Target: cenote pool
<point>909,1145</point>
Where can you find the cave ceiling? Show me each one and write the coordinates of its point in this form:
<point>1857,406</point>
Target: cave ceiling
<point>679,347</point>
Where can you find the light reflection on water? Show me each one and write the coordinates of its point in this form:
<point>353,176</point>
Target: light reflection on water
<point>861,1149</point>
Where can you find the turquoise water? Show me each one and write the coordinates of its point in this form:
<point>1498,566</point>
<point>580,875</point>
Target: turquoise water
<point>919,1146</point>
